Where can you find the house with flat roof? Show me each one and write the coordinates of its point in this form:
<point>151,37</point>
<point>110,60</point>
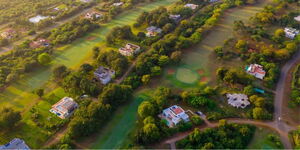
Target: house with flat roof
<point>8,33</point>
<point>104,75</point>
<point>153,31</point>
<point>192,6</point>
<point>118,4</point>
<point>85,1</point>
<point>176,18</point>
<point>212,1</point>
<point>297,18</point>
<point>291,32</point>
<point>39,43</point>
<point>93,15</point>
<point>64,108</point>
<point>16,143</point>
<point>37,18</point>
<point>129,49</point>
<point>256,70</point>
<point>238,100</point>
<point>174,114</point>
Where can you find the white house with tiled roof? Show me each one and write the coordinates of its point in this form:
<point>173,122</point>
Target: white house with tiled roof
<point>174,115</point>
<point>256,70</point>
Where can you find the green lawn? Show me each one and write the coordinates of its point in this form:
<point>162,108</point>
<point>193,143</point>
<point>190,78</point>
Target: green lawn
<point>261,141</point>
<point>114,133</point>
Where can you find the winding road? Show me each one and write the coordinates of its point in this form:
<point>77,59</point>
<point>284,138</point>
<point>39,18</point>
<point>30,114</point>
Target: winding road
<point>278,124</point>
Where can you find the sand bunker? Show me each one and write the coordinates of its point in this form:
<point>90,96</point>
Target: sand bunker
<point>186,75</point>
<point>91,38</point>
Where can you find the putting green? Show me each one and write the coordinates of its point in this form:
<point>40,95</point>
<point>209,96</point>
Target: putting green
<point>186,75</point>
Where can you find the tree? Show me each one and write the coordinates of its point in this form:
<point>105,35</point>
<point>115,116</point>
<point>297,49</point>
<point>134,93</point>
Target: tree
<point>260,113</point>
<point>115,94</point>
<point>146,78</point>
<point>249,90</point>
<point>151,132</point>
<point>196,120</point>
<point>44,59</point>
<point>60,72</point>
<point>278,36</point>
<point>163,60</point>
<point>241,45</point>
<point>146,109</point>
<point>9,118</point>
<point>39,92</point>
<point>176,57</point>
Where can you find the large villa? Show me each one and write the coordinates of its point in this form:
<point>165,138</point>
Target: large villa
<point>64,108</point>
<point>129,49</point>
<point>173,115</point>
<point>15,144</point>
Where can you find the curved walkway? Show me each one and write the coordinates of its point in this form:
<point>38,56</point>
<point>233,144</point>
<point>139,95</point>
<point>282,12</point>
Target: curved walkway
<point>278,125</point>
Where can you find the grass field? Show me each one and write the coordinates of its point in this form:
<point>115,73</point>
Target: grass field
<point>120,126</point>
<point>20,95</point>
<point>261,141</point>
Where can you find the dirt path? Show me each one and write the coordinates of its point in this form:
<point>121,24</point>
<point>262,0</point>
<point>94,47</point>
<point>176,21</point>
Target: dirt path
<point>57,136</point>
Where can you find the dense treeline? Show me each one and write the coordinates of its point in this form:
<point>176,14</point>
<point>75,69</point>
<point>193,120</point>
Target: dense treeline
<point>19,11</point>
<point>225,136</point>
<point>70,31</point>
<point>296,138</point>
<point>25,59</point>
<point>295,95</point>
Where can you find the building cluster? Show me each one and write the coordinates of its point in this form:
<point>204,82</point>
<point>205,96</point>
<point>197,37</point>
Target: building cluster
<point>238,100</point>
<point>192,6</point>
<point>16,144</point>
<point>39,43</point>
<point>173,115</point>
<point>291,32</point>
<point>153,31</point>
<point>64,108</point>
<point>104,75</point>
<point>256,70</point>
<point>129,49</point>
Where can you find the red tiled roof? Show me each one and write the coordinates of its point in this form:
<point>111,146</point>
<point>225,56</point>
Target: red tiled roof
<point>177,110</point>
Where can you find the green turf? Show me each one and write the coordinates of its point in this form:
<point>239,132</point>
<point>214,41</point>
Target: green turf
<point>260,140</point>
<point>118,128</point>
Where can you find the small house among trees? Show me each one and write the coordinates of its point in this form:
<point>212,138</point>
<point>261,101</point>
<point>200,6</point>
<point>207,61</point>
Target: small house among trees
<point>104,75</point>
<point>129,49</point>
<point>256,70</point>
<point>173,115</point>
